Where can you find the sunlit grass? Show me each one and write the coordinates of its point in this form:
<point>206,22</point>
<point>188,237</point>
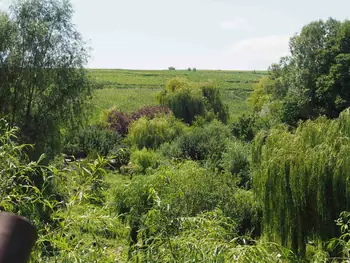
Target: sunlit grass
<point>129,90</point>
<point>127,100</point>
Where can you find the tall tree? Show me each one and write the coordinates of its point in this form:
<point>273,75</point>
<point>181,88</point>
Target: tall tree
<point>315,79</point>
<point>44,86</point>
<point>303,180</point>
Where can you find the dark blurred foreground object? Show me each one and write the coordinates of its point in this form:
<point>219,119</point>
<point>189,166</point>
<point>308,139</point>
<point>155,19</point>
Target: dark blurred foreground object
<point>17,238</point>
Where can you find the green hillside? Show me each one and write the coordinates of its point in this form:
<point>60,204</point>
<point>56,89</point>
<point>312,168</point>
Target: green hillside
<point>129,90</point>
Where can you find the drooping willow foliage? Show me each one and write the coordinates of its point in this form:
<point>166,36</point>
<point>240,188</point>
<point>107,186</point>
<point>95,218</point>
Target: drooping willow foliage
<point>303,180</point>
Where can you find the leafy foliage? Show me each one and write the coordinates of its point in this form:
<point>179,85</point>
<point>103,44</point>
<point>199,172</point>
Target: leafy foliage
<point>182,191</point>
<point>116,121</point>
<point>44,86</point>
<point>214,102</point>
<point>24,185</point>
<point>91,140</point>
<point>207,237</point>
<point>60,203</point>
<point>173,209</point>
<point>342,244</point>
<point>205,143</point>
<point>313,80</point>
<point>144,159</point>
<point>152,133</point>
<point>302,179</point>
<point>188,100</point>
<point>235,160</point>
<point>245,127</point>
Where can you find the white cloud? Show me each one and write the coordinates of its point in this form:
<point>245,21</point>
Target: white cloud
<point>238,23</point>
<point>267,45</point>
<point>258,52</point>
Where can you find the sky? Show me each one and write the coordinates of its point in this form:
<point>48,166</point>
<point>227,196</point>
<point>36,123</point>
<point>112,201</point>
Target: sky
<point>206,34</point>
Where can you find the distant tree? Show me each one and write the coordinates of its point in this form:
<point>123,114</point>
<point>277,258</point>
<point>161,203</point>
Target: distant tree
<point>194,69</point>
<point>189,69</point>
<point>44,87</point>
<point>314,79</point>
<point>189,100</point>
<point>171,68</point>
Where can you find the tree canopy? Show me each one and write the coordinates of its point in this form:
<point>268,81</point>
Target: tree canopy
<point>44,85</point>
<point>314,79</point>
<point>189,100</point>
<point>302,179</point>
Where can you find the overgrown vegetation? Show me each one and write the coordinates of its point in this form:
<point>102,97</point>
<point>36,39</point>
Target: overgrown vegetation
<point>170,172</point>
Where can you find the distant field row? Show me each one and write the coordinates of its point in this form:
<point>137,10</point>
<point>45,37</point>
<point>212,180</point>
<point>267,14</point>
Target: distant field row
<point>129,90</point>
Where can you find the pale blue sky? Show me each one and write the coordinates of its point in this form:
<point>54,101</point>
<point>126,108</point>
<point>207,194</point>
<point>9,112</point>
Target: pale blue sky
<point>207,34</point>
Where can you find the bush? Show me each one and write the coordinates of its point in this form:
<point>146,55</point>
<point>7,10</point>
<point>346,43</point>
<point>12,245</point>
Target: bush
<point>119,157</point>
<point>245,127</point>
<point>185,101</point>
<point>120,122</point>
<point>189,100</point>
<point>150,112</point>
<point>144,159</point>
<point>189,69</point>
<point>152,133</point>
<point>171,68</point>
<point>91,140</point>
<point>116,121</point>
<point>235,160</point>
<point>184,190</point>
<point>214,102</point>
<point>200,143</point>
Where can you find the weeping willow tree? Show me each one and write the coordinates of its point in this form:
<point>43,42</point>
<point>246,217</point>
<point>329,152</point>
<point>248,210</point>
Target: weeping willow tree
<point>303,180</point>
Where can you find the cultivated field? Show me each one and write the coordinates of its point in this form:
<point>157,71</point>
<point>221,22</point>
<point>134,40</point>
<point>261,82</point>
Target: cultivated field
<point>129,90</point>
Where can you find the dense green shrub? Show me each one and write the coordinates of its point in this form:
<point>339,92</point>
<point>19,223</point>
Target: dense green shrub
<point>144,159</point>
<point>302,179</point>
<point>84,228</point>
<point>188,100</point>
<point>69,227</point>
<point>152,133</point>
<point>200,143</point>
<point>184,190</point>
<point>24,184</point>
<point>235,160</point>
<point>185,101</point>
<point>214,102</point>
<point>207,237</point>
<point>91,140</point>
<point>245,127</point>
<point>119,156</point>
<point>340,246</point>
